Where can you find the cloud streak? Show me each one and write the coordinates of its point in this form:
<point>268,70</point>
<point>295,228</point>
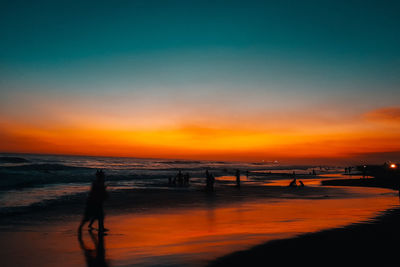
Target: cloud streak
<point>390,115</point>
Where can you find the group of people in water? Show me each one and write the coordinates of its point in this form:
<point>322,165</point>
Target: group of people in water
<point>347,170</point>
<point>294,183</point>
<point>179,179</point>
<point>184,180</point>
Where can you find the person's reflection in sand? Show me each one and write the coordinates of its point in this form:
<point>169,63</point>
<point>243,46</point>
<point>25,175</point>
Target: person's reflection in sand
<point>94,256</point>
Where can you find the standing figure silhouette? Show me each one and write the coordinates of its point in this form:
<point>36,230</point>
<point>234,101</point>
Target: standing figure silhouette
<point>210,179</point>
<point>238,178</point>
<point>94,204</point>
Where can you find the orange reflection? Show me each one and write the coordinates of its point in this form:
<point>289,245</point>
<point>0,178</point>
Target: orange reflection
<point>196,235</point>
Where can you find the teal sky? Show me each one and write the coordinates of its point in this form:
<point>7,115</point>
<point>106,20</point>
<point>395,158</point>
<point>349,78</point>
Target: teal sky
<point>174,43</point>
<point>311,47</point>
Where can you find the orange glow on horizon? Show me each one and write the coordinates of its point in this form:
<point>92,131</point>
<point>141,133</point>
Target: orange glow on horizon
<point>196,142</point>
<point>245,136</point>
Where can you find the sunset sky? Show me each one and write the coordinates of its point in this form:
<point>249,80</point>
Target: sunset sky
<point>294,81</point>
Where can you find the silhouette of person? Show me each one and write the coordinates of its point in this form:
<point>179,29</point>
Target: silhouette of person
<point>94,257</point>
<point>179,177</point>
<point>301,183</point>
<point>293,183</point>
<point>94,203</point>
<point>186,179</point>
<point>209,181</point>
<point>212,181</point>
<point>238,178</point>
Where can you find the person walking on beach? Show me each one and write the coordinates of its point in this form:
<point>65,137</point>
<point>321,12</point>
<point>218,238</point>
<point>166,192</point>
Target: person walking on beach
<point>94,204</point>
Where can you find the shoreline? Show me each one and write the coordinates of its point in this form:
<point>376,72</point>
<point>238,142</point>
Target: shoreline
<point>363,243</point>
<point>139,200</point>
<point>362,182</point>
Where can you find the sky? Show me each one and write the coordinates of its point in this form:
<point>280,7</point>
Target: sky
<point>293,81</point>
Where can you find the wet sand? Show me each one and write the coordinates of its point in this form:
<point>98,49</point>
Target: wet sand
<point>182,226</point>
<point>371,243</point>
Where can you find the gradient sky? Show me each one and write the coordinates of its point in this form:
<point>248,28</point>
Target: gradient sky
<point>295,81</point>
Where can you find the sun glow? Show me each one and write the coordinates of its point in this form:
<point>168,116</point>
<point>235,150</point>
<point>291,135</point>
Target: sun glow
<point>192,141</point>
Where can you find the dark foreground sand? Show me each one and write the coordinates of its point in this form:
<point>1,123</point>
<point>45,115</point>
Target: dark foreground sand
<point>374,243</point>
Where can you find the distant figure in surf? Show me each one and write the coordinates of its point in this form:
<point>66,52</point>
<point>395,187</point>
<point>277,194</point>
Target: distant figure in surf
<point>209,181</point>
<point>212,181</point>
<point>186,179</point>
<point>238,178</point>
<point>94,204</point>
<point>179,177</point>
<point>364,171</point>
<point>293,183</point>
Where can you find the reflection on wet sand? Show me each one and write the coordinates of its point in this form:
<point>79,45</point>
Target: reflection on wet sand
<point>194,236</point>
<point>95,256</point>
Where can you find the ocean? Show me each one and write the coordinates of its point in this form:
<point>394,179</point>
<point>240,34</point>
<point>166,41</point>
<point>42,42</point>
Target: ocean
<point>31,179</point>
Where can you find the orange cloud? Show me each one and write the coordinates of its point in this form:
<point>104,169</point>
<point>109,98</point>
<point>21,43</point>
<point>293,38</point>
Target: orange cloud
<point>386,115</point>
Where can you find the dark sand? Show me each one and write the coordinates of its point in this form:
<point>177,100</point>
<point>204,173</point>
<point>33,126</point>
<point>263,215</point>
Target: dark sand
<point>373,243</point>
